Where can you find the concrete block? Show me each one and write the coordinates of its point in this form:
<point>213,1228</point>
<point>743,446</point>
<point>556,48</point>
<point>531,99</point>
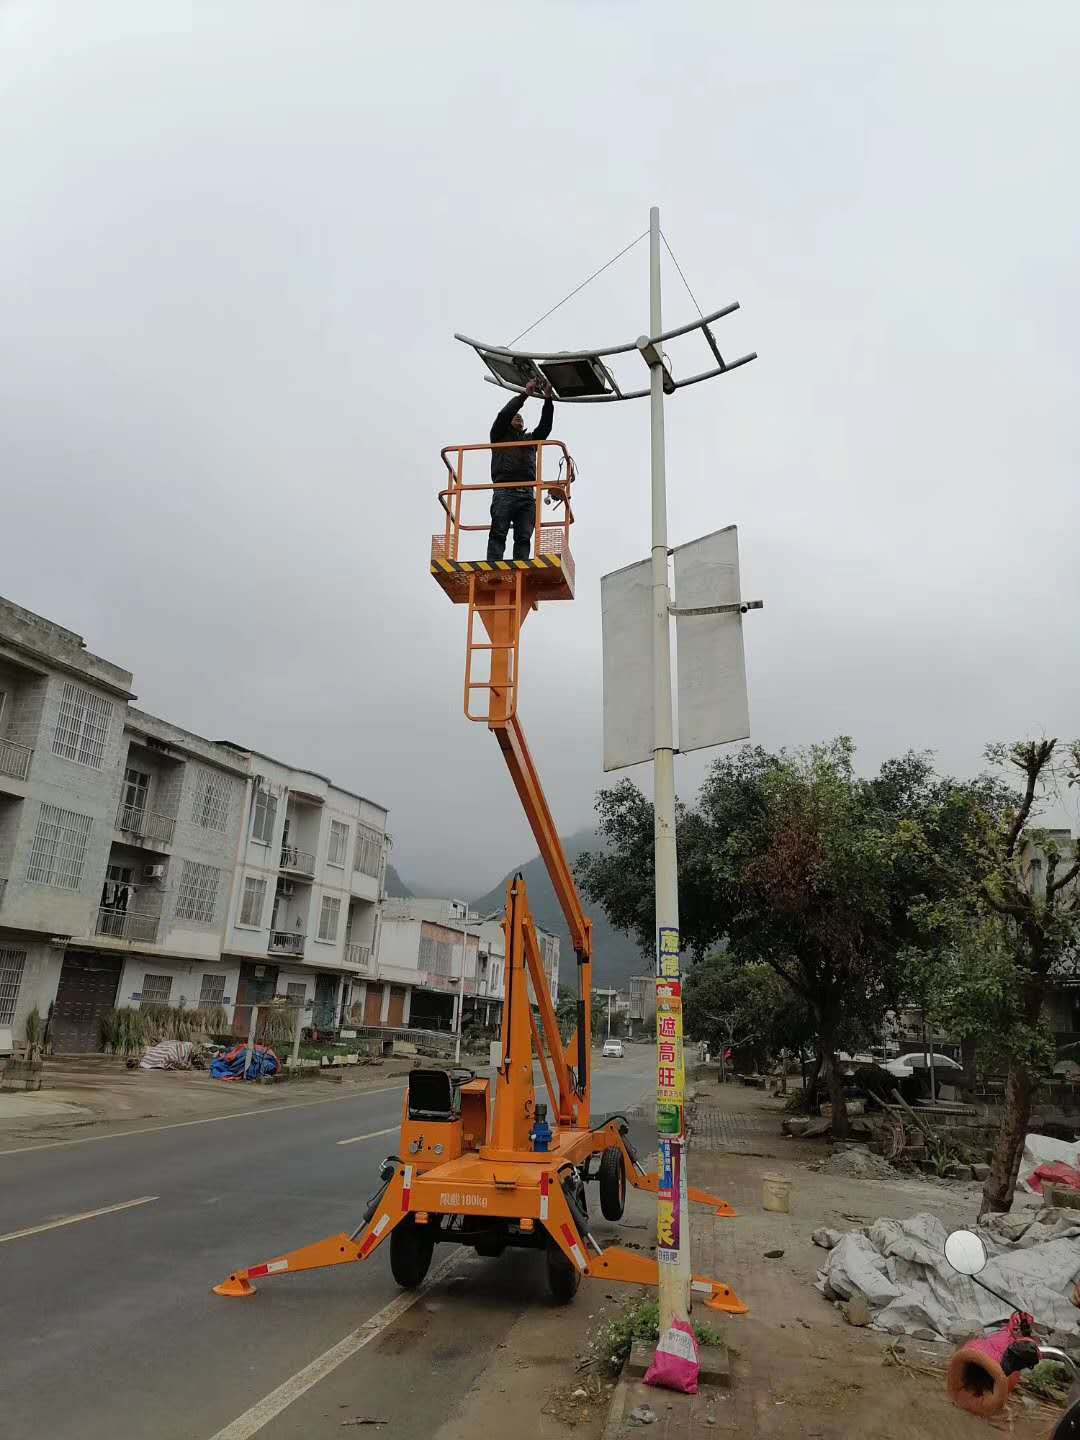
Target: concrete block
<point>714,1360</point>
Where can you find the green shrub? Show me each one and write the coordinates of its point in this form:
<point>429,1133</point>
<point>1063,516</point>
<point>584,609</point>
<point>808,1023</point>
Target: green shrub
<point>610,1346</point>
<point>123,1031</point>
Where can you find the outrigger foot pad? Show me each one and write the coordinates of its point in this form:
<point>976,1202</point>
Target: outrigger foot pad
<point>237,1288</point>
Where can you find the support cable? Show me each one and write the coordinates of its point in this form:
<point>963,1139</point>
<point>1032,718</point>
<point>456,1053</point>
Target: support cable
<point>682,277</point>
<point>581,287</point>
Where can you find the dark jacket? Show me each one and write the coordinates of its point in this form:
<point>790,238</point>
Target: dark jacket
<point>517,467</point>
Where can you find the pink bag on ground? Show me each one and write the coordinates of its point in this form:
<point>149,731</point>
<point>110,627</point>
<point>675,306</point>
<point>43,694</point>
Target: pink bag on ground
<point>675,1365</point>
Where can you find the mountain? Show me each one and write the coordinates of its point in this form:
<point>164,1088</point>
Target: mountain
<point>395,886</point>
<point>615,954</point>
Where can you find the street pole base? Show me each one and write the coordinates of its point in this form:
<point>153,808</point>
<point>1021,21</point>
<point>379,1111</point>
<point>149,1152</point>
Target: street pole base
<point>239,1289</point>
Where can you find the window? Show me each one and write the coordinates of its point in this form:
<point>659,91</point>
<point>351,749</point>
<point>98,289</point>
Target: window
<point>262,828</point>
<point>196,897</point>
<point>296,994</point>
<point>210,808</point>
<point>212,991</point>
<point>136,787</point>
<point>11,969</point>
<point>156,989</point>
<point>369,844</point>
<point>339,843</point>
<point>427,952</point>
<point>444,952</point>
<point>59,848</point>
<point>328,917</point>
<point>82,726</point>
<point>251,907</point>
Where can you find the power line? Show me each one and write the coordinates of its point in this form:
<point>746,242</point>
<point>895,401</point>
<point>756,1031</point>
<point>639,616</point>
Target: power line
<point>580,287</point>
<point>682,277</point>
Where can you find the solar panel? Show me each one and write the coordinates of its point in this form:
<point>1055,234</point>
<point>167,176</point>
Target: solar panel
<point>570,378</point>
<point>512,370</point>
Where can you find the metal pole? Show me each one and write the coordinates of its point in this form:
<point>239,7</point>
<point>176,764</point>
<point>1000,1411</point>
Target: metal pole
<point>251,1039</point>
<point>609,1015</point>
<point>297,1027</point>
<point>461,993</point>
<point>674,1277</point>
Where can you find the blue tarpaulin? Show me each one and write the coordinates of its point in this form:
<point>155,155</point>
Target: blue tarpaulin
<point>230,1066</point>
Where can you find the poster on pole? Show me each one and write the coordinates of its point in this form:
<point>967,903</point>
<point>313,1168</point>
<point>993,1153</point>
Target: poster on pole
<point>626,614</point>
<point>670,1065</point>
<point>714,706</point>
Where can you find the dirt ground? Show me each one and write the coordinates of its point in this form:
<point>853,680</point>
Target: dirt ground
<point>799,1369</point>
<point>80,1098</point>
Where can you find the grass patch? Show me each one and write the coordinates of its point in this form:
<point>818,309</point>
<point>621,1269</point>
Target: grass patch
<point>1050,1380</point>
<point>610,1346</point>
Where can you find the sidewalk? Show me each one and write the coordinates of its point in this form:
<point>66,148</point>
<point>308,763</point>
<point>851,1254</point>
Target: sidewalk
<point>100,1093</point>
<point>799,1370</point>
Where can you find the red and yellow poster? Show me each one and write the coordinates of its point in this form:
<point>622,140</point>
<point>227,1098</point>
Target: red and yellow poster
<point>670,1064</point>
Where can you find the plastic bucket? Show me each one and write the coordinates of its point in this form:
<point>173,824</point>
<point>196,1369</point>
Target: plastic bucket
<point>776,1193</point>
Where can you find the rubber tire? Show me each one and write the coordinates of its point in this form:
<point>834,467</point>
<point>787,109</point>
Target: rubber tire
<point>563,1277</point>
<point>612,1184</point>
<point>411,1249</point>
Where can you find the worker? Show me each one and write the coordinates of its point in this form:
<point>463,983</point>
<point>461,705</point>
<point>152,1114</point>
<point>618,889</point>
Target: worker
<point>513,470</point>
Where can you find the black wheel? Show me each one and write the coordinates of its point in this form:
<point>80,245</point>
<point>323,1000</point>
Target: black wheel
<point>563,1276</point>
<point>612,1184</point>
<point>411,1249</point>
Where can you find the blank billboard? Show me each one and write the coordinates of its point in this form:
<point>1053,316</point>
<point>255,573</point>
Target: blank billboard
<point>714,707</point>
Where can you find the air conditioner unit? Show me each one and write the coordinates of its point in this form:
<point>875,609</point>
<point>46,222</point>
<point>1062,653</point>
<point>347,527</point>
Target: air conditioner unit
<point>153,872</point>
<point>285,887</point>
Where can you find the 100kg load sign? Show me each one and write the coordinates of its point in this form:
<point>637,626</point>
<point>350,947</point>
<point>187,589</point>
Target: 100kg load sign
<point>670,1065</point>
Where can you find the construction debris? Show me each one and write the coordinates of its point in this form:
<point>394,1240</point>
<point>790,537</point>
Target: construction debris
<point>858,1164</point>
<point>826,1238</point>
<point>899,1267</point>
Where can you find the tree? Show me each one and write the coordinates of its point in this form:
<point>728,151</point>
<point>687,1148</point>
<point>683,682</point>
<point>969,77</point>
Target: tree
<point>729,1005</point>
<point>1020,899</point>
<point>795,862</point>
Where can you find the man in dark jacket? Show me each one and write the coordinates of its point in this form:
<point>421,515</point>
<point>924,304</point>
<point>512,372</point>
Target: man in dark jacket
<point>511,471</point>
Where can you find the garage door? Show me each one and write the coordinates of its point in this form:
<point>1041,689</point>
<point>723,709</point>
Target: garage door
<point>88,986</point>
<point>373,1005</point>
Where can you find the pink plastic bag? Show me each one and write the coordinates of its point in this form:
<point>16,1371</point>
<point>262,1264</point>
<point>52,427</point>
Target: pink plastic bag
<point>675,1365</point>
<point>1056,1173</point>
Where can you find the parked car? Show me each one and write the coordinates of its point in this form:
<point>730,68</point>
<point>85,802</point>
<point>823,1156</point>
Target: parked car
<point>612,1050</point>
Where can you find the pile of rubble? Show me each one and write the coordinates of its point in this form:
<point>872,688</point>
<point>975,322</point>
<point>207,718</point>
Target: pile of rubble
<point>898,1268</point>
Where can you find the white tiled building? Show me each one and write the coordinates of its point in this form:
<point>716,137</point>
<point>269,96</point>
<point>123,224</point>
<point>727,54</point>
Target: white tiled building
<point>140,862</point>
<point>421,950</point>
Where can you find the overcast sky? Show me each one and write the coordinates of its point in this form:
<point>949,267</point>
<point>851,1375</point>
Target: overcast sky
<point>237,238</point>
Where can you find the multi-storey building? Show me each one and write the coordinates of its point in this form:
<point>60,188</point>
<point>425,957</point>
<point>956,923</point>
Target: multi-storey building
<point>140,862</point>
<point>424,945</point>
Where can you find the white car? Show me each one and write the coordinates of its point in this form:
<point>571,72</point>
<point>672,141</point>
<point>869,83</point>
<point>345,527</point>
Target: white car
<point>612,1050</point>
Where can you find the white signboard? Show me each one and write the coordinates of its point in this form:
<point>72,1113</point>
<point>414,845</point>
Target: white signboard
<point>626,608</point>
<point>714,707</point>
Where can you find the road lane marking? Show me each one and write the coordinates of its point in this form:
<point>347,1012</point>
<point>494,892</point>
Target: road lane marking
<point>271,1406</point>
<point>371,1135</point>
<point>74,1219</point>
<point>207,1120</point>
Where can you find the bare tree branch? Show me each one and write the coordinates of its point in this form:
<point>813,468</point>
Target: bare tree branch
<point>1031,758</point>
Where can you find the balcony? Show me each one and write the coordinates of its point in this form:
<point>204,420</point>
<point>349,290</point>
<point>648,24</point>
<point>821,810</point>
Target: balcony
<point>131,925</point>
<point>286,942</point>
<point>298,862</point>
<point>359,957</point>
<point>145,824</point>
<point>15,759</point>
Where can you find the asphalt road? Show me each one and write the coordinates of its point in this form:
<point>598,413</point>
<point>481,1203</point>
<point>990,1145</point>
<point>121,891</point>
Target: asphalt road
<point>108,1326</point>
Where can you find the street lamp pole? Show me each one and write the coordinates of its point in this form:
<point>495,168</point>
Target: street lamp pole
<point>675,1273</point>
<point>461,988</point>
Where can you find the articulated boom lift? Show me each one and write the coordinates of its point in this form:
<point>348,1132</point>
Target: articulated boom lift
<point>479,1163</point>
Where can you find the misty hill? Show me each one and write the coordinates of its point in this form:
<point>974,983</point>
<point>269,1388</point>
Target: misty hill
<point>395,886</point>
<point>615,955</point>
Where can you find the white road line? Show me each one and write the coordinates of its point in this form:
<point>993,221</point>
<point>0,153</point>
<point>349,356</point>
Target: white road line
<point>74,1219</point>
<point>271,1406</point>
<point>208,1120</point>
<point>371,1135</point>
